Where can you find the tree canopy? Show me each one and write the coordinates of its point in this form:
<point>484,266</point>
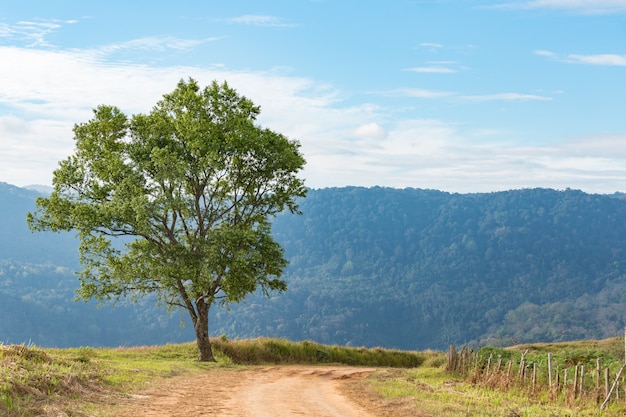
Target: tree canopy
<point>177,202</point>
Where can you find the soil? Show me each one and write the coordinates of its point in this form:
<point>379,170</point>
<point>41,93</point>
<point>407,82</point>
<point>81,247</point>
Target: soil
<point>277,391</point>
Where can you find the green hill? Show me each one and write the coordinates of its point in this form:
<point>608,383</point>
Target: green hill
<point>371,266</point>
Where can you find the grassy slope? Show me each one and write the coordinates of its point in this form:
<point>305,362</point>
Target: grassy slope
<point>85,381</point>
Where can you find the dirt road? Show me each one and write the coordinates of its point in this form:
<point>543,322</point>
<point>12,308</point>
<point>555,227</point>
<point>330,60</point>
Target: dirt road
<point>278,391</point>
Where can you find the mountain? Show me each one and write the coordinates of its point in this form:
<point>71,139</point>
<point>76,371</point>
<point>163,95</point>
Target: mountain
<point>37,284</point>
<point>409,269</point>
<point>423,269</point>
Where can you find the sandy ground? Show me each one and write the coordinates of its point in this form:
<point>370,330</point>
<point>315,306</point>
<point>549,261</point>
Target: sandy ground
<point>277,391</point>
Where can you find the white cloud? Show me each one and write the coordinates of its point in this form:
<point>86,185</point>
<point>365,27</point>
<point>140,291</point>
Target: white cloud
<point>370,130</point>
<point>431,45</point>
<point>600,59</point>
<point>432,70</point>
<point>32,148</point>
<point>419,93</point>
<point>597,59</point>
<point>547,54</point>
<point>578,6</point>
<point>260,20</point>
<point>32,32</point>
<point>154,43</point>
<point>44,92</point>
<point>506,97</point>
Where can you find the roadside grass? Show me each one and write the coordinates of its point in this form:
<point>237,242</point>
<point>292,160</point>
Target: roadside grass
<point>436,392</point>
<point>567,354</point>
<point>266,350</point>
<point>84,381</point>
<point>89,381</point>
<point>79,381</point>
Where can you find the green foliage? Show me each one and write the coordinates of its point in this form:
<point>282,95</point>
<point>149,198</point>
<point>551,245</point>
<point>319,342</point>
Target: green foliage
<point>281,351</point>
<point>191,186</point>
<point>570,354</point>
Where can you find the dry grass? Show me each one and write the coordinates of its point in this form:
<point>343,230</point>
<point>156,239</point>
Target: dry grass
<point>33,382</point>
<point>266,350</point>
<point>81,381</point>
<point>85,381</point>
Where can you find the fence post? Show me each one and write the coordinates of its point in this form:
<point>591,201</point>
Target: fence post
<point>550,370</point>
<point>522,366</point>
<point>615,383</point>
<point>581,390</point>
<point>452,359</point>
<point>598,378</point>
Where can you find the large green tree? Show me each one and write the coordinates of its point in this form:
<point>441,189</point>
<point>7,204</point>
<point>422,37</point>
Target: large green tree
<point>177,202</point>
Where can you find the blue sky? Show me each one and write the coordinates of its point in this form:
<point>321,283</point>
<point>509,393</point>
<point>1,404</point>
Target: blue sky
<point>461,96</point>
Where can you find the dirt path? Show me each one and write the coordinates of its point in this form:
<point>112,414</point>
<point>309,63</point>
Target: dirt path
<point>278,391</point>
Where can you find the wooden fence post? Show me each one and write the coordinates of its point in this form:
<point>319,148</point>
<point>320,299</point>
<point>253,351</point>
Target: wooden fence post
<point>451,366</point>
<point>550,370</point>
<point>598,378</point>
<point>615,383</point>
<point>522,366</point>
<point>581,390</point>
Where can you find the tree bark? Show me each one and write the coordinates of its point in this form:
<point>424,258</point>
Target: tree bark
<point>201,325</point>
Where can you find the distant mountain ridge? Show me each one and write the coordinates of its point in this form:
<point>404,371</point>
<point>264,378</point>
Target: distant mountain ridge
<point>377,266</point>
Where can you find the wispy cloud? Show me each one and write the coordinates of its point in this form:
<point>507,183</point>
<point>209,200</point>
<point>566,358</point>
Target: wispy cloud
<point>418,93</point>
<point>45,91</point>
<point>547,54</point>
<point>506,97</point>
<point>601,59</point>
<point>260,20</point>
<point>34,32</point>
<point>432,70</point>
<point>154,43</point>
<point>577,6</point>
<point>594,59</point>
<point>431,45</point>
<point>434,94</point>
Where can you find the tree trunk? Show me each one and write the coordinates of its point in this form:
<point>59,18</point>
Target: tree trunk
<point>202,332</point>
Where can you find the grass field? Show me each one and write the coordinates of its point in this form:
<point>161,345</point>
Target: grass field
<point>86,381</point>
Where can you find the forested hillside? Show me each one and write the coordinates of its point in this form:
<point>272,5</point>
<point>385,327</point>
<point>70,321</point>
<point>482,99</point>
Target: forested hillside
<point>37,284</point>
<point>369,266</point>
<point>417,268</point>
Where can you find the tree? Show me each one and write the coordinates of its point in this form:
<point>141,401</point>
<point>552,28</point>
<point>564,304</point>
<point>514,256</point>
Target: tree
<point>189,189</point>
